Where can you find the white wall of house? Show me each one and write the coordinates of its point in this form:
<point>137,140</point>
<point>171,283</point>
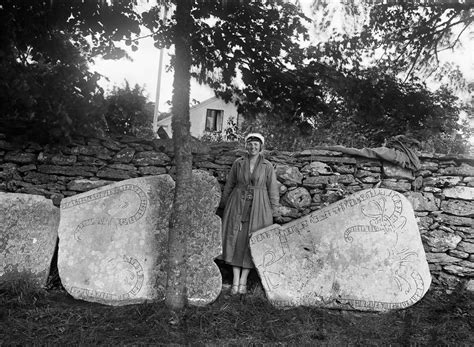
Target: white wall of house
<point>210,115</point>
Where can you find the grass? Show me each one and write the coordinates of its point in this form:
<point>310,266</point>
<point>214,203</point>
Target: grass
<point>29,316</point>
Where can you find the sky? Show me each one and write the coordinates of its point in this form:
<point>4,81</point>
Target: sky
<point>143,69</point>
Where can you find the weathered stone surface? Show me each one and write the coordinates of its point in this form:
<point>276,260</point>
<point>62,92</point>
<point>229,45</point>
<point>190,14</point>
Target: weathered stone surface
<point>442,181</point>
<point>363,252</point>
<point>470,285</point>
<point>151,170</point>
<point>344,179</point>
<point>125,155</point>
<point>316,182</point>
<point>458,207</point>
<point>422,201</point>
<point>465,193</point>
<point>92,150</point>
<point>84,185</point>
<point>319,152</point>
<point>86,171</point>
<point>429,165</point>
<point>440,258</point>
<point>316,168</point>
<point>441,241</point>
<point>399,186</point>
<point>288,175</point>
<point>455,220</point>
<point>346,160</point>
<point>20,157</point>
<point>151,158</point>
<point>467,247</point>
<point>113,241</point>
<point>395,171</point>
<point>460,269</point>
<point>57,158</point>
<point>115,174</point>
<point>297,198</point>
<point>462,170</point>
<point>205,242</point>
<point>28,234</point>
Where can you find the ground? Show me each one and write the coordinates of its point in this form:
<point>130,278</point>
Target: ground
<point>29,316</point>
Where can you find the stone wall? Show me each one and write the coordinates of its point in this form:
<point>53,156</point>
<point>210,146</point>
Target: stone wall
<point>442,192</point>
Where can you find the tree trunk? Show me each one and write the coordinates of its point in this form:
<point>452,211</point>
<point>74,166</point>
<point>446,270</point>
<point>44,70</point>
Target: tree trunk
<point>180,217</point>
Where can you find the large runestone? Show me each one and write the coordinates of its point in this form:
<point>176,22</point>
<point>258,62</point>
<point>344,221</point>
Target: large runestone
<point>28,235</point>
<point>114,242</point>
<point>363,252</point>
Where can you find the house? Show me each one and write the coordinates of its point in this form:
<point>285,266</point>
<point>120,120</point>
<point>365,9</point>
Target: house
<point>210,116</point>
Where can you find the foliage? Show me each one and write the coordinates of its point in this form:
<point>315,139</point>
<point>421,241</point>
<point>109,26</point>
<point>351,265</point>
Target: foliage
<point>231,133</point>
<point>128,112</point>
<point>45,48</point>
<point>398,36</point>
<point>321,93</point>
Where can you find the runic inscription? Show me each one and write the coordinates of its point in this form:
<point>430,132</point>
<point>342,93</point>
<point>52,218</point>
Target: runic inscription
<point>114,241</point>
<point>363,252</point>
<point>108,248</point>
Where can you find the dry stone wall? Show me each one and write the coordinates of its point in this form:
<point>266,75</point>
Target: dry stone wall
<point>441,192</point>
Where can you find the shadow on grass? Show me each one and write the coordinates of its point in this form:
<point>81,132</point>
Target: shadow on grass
<point>29,316</point>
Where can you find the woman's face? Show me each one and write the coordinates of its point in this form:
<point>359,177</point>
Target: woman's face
<point>253,147</point>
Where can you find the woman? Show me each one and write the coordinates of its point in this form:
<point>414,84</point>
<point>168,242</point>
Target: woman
<point>250,197</point>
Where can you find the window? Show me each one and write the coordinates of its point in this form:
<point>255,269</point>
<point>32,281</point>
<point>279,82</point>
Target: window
<point>214,120</point>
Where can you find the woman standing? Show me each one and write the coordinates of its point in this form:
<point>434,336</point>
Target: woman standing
<point>250,197</point>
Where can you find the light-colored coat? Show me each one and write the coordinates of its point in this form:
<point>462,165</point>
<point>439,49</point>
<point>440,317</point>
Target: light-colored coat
<point>265,200</point>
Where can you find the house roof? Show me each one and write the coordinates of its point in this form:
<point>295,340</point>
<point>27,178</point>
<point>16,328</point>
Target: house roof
<point>201,104</point>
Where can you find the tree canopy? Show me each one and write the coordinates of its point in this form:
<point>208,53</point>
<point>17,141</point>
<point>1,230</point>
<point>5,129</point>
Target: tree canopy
<point>45,49</point>
<point>257,53</point>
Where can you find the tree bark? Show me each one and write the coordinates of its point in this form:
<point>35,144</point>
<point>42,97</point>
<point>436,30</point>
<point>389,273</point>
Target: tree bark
<point>180,217</point>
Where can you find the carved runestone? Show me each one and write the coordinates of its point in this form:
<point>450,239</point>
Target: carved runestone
<point>28,234</point>
<point>114,241</point>
<point>363,252</point>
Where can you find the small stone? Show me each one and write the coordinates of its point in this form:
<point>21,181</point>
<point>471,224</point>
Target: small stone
<point>395,171</point>
<point>316,168</point>
<point>441,241</point>
<point>124,156</point>
<point>440,258</point>
<point>458,207</point>
<point>288,175</point>
<point>467,247</point>
<point>442,181</point>
<point>465,193</point>
<point>298,198</point>
<point>455,220</point>
<point>113,174</point>
<point>28,234</point>
<point>422,201</point>
<point>151,158</point>
<point>470,286</point>
<point>462,170</point>
<point>399,186</point>
<point>18,157</point>
<point>458,254</point>
<point>151,170</point>
<point>84,185</point>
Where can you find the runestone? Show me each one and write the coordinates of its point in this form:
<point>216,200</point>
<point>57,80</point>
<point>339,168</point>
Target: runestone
<point>363,252</point>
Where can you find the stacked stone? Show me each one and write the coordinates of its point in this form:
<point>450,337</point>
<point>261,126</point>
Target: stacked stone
<point>441,192</point>
<point>61,171</point>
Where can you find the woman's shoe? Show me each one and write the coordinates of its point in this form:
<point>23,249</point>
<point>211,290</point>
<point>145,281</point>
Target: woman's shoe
<point>234,290</point>
<point>242,289</point>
